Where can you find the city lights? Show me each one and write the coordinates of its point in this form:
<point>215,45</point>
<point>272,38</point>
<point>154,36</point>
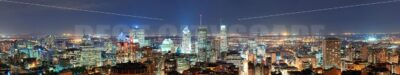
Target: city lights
<point>199,37</point>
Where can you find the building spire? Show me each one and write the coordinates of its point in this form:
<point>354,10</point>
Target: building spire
<point>201,19</point>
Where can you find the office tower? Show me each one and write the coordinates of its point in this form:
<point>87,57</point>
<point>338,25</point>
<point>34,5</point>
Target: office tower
<point>108,45</point>
<point>350,53</point>
<point>148,52</point>
<point>331,53</point>
<point>224,39</point>
<point>186,41</point>
<point>252,50</point>
<point>381,55</point>
<point>137,36</point>
<point>202,43</point>
<point>108,54</point>
<point>122,37</point>
<point>215,50</point>
<point>319,58</point>
<point>202,37</point>
<point>261,53</point>
<point>364,52</point>
<point>50,41</point>
<point>132,36</point>
<point>141,37</point>
<point>90,57</point>
<point>87,40</point>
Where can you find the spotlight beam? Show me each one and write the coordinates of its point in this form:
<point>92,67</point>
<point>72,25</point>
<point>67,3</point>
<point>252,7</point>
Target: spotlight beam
<point>82,10</point>
<point>317,10</point>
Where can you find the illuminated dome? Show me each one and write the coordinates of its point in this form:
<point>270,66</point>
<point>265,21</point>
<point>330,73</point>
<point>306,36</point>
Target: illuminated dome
<point>167,41</point>
<point>167,45</point>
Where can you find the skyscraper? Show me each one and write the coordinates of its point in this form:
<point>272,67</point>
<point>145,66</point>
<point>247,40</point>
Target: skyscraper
<point>224,39</point>
<point>137,36</point>
<point>140,36</point>
<point>87,40</point>
<point>202,43</point>
<point>331,53</point>
<point>50,41</point>
<point>186,41</point>
<point>215,49</point>
<point>364,53</point>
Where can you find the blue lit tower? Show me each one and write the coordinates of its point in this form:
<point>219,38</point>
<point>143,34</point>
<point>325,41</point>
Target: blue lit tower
<point>186,41</point>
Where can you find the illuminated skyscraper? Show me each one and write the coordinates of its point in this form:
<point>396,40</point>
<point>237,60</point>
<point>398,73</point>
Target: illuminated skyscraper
<point>141,37</point>
<point>215,48</point>
<point>202,43</point>
<point>202,37</point>
<point>261,53</point>
<point>381,55</point>
<point>90,57</point>
<point>137,36</point>
<point>109,54</point>
<point>331,53</point>
<point>132,36</point>
<point>87,40</point>
<point>50,41</point>
<point>186,41</point>
<point>224,39</point>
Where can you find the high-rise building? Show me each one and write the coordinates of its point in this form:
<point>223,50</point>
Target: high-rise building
<point>186,46</point>
<point>108,54</point>
<point>202,44</point>
<point>87,40</point>
<point>364,52</point>
<point>319,58</point>
<point>215,48</point>
<point>224,39</point>
<point>261,53</point>
<point>137,36</point>
<point>331,53</point>
<point>202,37</point>
<point>90,57</point>
<point>50,41</point>
<point>381,55</point>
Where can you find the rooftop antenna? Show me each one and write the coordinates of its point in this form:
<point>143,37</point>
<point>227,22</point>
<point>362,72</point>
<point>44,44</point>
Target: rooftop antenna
<point>201,19</point>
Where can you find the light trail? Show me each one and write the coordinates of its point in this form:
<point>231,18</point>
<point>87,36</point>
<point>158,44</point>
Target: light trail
<point>82,10</point>
<point>318,10</point>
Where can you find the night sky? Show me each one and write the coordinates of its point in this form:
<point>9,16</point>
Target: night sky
<point>22,18</point>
